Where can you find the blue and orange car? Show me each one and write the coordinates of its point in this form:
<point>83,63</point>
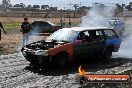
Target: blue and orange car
<point>67,45</point>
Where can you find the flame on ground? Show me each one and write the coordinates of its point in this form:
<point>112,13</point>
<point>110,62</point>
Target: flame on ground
<point>81,71</point>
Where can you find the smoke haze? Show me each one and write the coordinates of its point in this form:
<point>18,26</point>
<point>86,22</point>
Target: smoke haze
<point>125,50</point>
<point>97,16</point>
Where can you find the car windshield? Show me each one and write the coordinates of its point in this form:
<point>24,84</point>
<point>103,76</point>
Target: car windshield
<point>113,22</point>
<point>63,36</point>
<point>51,23</point>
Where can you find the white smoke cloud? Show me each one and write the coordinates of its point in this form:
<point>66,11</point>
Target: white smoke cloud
<point>97,16</point>
<point>126,48</point>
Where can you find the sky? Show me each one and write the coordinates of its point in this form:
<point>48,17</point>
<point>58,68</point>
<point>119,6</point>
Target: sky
<point>65,3</point>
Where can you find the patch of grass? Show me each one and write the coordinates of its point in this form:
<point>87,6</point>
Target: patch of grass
<point>11,25</point>
<point>14,25</point>
<point>1,52</point>
<point>73,24</point>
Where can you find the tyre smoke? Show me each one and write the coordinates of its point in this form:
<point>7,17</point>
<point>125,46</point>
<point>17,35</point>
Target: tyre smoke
<point>97,16</point>
<point>125,50</point>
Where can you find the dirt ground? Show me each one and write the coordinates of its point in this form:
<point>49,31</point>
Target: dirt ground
<point>15,72</point>
<point>10,41</point>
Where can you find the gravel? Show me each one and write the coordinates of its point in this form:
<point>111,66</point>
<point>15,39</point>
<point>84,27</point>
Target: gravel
<point>16,73</point>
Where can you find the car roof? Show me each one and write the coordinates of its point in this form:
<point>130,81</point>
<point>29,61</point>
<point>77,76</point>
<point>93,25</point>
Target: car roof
<point>44,22</point>
<point>85,28</point>
<point>116,20</point>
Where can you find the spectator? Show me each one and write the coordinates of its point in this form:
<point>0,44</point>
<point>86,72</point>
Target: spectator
<point>25,29</point>
<point>62,22</point>
<point>69,25</point>
<point>1,28</point>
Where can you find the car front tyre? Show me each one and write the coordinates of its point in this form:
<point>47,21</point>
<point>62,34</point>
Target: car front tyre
<point>61,61</point>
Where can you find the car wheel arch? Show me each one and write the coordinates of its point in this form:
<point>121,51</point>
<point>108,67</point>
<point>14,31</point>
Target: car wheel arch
<point>110,46</point>
<point>61,58</point>
<point>108,51</point>
<point>62,53</point>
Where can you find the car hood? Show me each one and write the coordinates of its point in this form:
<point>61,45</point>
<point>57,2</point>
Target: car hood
<point>43,45</point>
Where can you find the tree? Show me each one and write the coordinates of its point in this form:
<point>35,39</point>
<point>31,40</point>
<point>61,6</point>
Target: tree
<point>119,8</point>
<point>129,7</point>
<point>44,7</point>
<point>29,6</point>
<point>6,3</point>
<point>76,7</point>
<point>130,4</point>
<point>36,6</point>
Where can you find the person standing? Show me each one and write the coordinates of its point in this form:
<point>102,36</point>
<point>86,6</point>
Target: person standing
<point>69,25</point>
<point>62,22</point>
<point>1,27</point>
<point>25,29</point>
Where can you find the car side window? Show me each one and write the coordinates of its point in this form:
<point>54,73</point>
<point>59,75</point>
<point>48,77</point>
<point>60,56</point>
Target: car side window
<point>96,35</point>
<point>84,36</point>
<point>91,35</point>
<point>110,34</point>
<point>87,37</point>
<point>116,23</point>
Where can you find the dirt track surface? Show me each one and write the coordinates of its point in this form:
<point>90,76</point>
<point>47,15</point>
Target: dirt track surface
<point>15,72</point>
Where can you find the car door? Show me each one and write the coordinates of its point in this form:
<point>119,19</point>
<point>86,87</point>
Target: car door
<point>98,43</point>
<point>112,39</point>
<point>83,49</point>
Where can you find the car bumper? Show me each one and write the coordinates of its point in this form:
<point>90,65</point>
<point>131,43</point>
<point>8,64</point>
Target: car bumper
<point>39,57</point>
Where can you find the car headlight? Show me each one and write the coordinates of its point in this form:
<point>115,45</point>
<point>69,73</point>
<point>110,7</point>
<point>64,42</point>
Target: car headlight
<point>41,52</point>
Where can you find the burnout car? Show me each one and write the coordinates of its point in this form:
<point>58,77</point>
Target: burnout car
<point>40,27</point>
<point>118,25</point>
<point>67,45</point>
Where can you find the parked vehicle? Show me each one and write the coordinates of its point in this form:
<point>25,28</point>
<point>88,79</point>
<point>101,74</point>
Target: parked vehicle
<point>40,27</point>
<point>70,44</point>
<point>118,25</point>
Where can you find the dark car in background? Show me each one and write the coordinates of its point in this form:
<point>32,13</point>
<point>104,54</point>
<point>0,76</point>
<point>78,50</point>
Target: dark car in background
<point>118,25</point>
<point>70,44</point>
<point>41,27</point>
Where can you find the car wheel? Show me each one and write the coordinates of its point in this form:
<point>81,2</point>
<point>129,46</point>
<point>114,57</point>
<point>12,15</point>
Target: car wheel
<point>33,64</point>
<point>108,53</point>
<point>61,61</point>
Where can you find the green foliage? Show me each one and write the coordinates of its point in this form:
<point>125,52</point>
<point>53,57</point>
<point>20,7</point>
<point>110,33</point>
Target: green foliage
<point>73,24</point>
<point>10,26</point>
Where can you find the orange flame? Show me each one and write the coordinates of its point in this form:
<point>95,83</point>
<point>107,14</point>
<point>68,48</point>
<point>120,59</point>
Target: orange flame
<point>81,71</point>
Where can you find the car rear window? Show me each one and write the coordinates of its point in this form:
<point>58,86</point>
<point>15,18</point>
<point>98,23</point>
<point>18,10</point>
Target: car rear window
<point>110,34</point>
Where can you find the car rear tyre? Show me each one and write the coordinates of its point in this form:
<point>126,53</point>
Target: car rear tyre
<point>108,53</point>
